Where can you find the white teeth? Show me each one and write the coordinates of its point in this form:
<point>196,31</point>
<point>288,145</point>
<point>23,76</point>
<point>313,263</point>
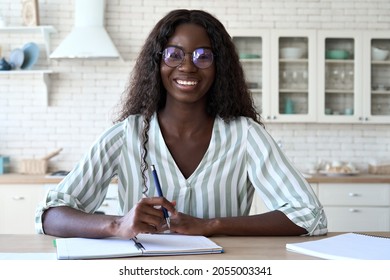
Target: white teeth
<point>186,83</point>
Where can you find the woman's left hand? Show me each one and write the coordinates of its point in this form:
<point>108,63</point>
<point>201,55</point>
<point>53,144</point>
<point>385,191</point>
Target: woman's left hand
<point>186,224</point>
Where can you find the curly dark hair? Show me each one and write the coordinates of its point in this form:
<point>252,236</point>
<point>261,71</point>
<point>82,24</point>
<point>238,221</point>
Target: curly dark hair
<point>228,97</point>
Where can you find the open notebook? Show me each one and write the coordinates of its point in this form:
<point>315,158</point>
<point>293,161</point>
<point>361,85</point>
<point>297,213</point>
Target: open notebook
<point>142,245</point>
<point>345,246</point>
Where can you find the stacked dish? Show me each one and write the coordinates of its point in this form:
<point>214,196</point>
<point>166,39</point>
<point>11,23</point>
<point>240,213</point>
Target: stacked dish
<point>379,54</point>
<point>291,53</point>
<point>31,55</point>
<point>337,54</point>
<point>24,58</point>
<point>16,58</point>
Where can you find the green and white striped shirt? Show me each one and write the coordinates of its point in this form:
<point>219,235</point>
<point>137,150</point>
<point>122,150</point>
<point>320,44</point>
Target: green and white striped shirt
<point>242,159</point>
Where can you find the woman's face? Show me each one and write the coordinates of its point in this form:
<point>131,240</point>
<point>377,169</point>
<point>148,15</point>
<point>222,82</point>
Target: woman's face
<point>187,83</point>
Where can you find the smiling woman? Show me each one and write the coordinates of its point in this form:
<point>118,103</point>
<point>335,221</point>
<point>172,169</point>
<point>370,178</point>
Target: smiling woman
<point>189,113</point>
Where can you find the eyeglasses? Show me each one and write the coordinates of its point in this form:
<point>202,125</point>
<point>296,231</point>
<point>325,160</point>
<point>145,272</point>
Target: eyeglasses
<point>201,57</point>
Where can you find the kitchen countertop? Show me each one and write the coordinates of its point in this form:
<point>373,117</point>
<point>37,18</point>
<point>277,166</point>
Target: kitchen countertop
<point>14,178</point>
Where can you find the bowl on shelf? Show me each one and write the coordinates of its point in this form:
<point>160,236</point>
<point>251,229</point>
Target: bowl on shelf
<point>291,53</point>
<point>337,54</point>
<point>379,54</point>
<point>249,56</point>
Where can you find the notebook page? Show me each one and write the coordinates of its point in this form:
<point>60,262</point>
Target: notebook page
<point>85,248</point>
<point>345,246</point>
<point>176,244</point>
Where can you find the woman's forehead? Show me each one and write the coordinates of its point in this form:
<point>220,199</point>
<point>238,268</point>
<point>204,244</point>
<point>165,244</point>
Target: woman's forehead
<point>190,35</point>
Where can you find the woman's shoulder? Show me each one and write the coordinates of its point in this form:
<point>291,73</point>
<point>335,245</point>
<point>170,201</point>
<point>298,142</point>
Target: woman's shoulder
<point>120,129</point>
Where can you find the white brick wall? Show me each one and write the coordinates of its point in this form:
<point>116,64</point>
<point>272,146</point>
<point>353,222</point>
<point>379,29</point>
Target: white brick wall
<point>84,94</point>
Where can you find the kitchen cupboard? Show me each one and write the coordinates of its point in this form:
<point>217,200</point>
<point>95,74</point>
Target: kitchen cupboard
<point>254,53</point>
<point>356,207</point>
<point>17,208</point>
<point>18,203</point>
<point>376,82</point>
<point>25,32</point>
<point>293,62</point>
<point>334,80</point>
<point>355,88</point>
<point>283,88</point>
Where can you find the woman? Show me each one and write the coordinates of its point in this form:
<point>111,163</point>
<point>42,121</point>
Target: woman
<point>189,112</point>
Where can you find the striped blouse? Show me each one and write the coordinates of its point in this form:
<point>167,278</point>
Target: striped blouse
<point>242,159</point>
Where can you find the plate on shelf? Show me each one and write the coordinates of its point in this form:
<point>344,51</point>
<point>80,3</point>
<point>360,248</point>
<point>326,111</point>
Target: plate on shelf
<point>338,174</point>
<point>16,58</point>
<point>31,55</point>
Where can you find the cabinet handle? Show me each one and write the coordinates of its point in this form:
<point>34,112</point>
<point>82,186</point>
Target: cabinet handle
<point>105,204</point>
<point>351,194</point>
<point>18,197</point>
<point>353,210</point>
<point>274,117</point>
<point>366,119</point>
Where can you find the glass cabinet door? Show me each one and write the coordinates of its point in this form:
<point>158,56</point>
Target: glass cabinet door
<point>340,80</point>
<point>293,76</point>
<point>253,52</point>
<point>377,86</point>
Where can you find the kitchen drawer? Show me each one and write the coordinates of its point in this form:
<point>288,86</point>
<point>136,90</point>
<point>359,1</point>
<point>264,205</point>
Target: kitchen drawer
<point>355,194</point>
<point>358,218</point>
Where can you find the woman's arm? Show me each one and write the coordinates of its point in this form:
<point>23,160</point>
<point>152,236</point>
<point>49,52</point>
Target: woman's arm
<point>144,217</point>
<point>274,223</point>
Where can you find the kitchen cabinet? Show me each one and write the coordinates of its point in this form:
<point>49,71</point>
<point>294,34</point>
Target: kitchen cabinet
<point>334,79</point>
<point>353,88</point>
<point>356,207</point>
<point>17,208</point>
<point>26,32</point>
<point>253,49</point>
<point>283,87</point>
<point>376,82</point>
<point>293,79</point>
<point>18,203</point>
<point>340,75</point>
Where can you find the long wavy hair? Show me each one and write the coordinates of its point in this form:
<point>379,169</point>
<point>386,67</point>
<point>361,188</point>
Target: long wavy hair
<point>228,97</point>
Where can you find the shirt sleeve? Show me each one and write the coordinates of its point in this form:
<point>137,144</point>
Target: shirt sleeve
<point>280,185</point>
<point>85,187</point>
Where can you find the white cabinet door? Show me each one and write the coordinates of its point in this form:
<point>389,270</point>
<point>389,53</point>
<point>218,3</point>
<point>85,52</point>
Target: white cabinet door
<point>356,207</point>
<point>357,218</point>
<point>17,208</point>
<point>293,76</point>
<point>253,50</point>
<point>340,76</point>
<point>376,82</point>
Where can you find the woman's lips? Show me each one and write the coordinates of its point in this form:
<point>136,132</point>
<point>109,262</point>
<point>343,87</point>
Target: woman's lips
<point>186,82</point>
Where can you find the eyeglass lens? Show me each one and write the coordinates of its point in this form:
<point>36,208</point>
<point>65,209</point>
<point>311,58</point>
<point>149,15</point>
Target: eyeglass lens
<point>201,57</point>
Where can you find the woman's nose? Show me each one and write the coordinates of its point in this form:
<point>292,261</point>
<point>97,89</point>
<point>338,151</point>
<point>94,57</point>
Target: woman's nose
<point>188,64</point>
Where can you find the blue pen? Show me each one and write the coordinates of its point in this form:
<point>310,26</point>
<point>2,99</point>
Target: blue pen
<point>160,194</point>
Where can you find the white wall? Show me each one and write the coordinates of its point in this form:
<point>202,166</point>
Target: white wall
<point>83,94</point>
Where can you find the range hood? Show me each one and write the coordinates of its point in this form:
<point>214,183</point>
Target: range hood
<point>88,38</point>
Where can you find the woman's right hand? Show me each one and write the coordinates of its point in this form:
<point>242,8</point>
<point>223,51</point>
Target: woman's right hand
<point>145,217</point>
